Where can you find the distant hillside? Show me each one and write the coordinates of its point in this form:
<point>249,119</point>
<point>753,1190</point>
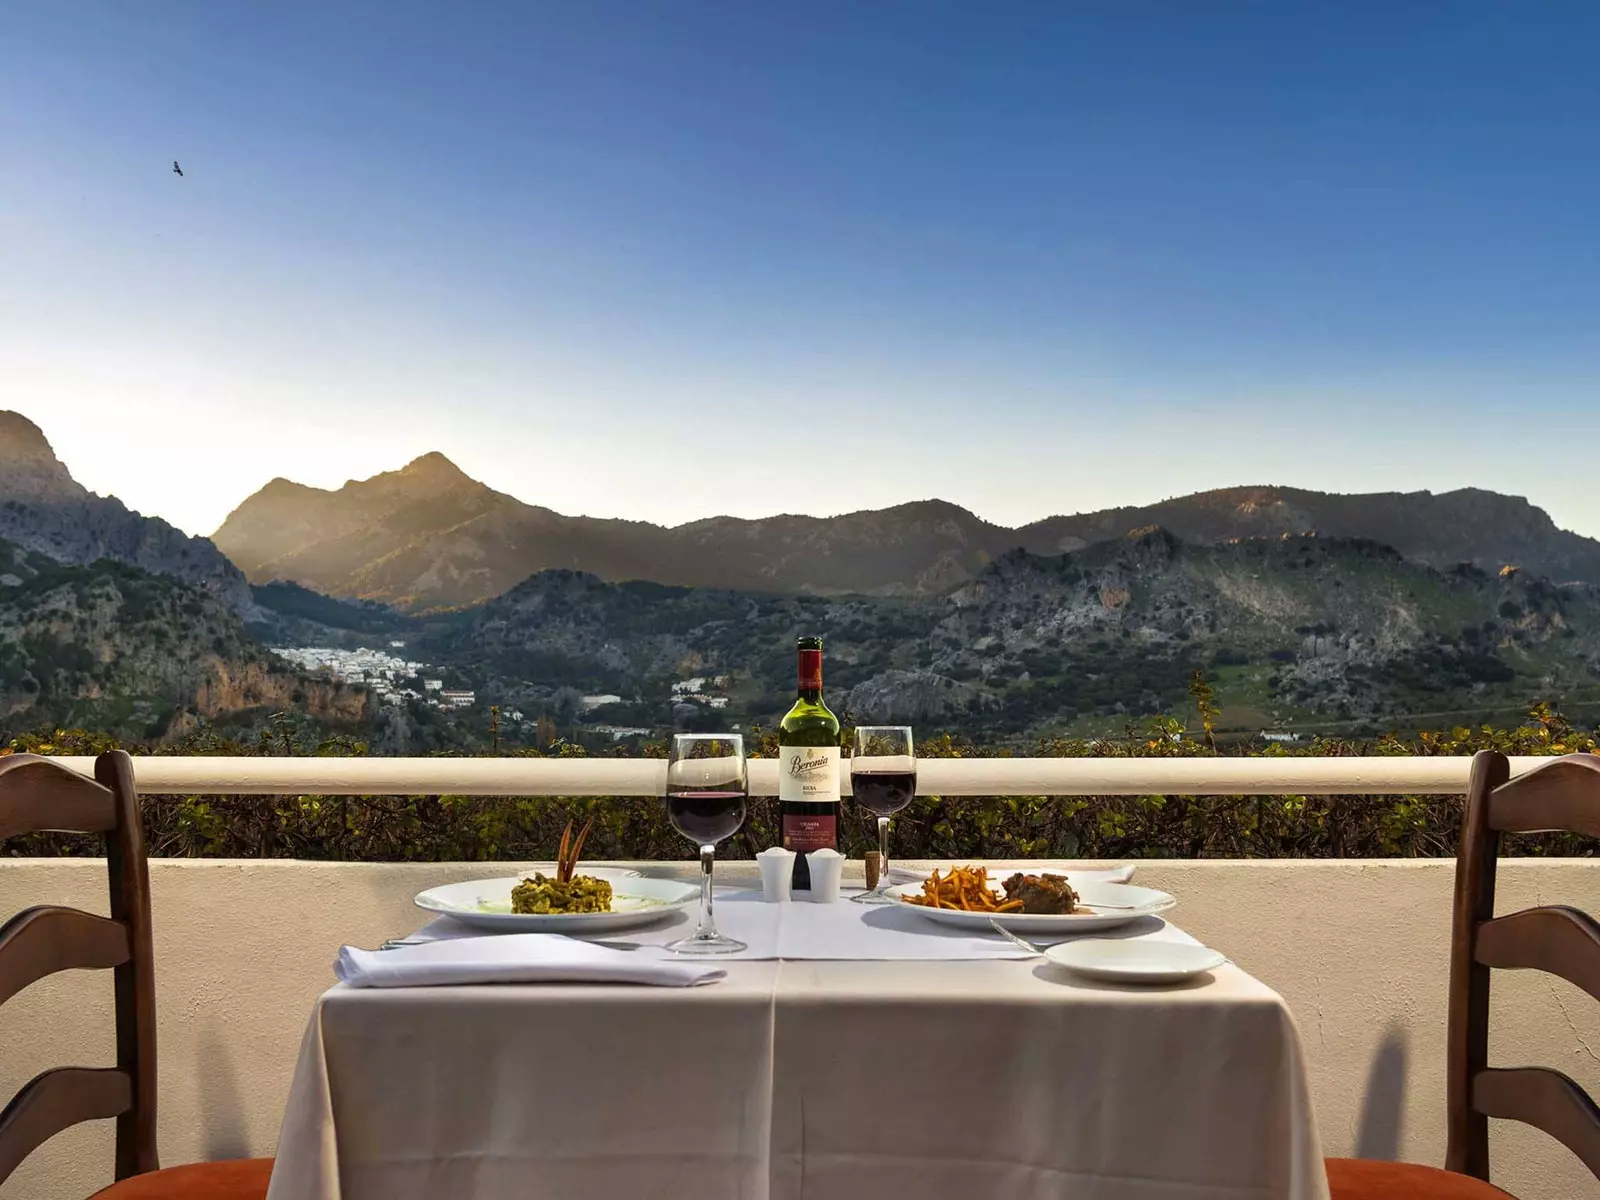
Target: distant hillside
<point>116,648</point>
<point>45,510</point>
<point>290,615</point>
<point>1466,526</point>
<point>1291,630</point>
<point>428,537</point>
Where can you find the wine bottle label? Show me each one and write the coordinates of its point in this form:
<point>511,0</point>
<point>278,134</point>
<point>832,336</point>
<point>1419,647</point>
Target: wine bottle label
<point>805,833</point>
<point>808,773</point>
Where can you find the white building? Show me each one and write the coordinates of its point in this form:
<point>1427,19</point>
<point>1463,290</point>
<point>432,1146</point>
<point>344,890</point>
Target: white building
<point>459,699</point>
<point>590,702</point>
<point>362,665</point>
<point>433,685</point>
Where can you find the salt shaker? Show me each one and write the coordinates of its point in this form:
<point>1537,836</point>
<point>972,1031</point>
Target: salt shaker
<point>827,866</point>
<point>777,874</point>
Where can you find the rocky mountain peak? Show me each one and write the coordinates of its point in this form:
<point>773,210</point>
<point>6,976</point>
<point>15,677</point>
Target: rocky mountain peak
<point>29,468</point>
<point>45,511</point>
<point>433,470</point>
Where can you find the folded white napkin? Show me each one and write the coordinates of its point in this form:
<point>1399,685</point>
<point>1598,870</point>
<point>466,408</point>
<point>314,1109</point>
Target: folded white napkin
<point>513,958</point>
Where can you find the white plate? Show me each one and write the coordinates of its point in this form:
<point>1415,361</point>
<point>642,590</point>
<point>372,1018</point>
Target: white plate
<point>486,904</point>
<point>1145,901</point>
<point>1135,960</point>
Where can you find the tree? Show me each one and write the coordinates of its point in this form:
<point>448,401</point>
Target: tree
<point>1205,699</point>
<point>544,732</point>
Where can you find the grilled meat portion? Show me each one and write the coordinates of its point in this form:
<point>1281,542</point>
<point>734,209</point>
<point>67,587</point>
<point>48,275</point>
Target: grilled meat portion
<point>1041,893</point>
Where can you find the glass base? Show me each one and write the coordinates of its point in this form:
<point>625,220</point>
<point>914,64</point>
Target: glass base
<point>706,943</point>
<point>875,896</point>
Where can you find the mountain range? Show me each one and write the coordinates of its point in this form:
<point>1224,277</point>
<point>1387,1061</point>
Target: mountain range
<point>1300,606</point>
<point>1289,630</point>
<point>429,537</point>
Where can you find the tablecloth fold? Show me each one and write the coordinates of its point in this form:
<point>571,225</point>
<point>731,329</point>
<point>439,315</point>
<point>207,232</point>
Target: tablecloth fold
<point>513,958</point>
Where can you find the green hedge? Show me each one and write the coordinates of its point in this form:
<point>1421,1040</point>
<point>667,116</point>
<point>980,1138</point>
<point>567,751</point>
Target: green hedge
<point>457,828</point>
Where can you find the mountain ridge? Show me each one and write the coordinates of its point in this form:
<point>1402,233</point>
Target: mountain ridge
<point>1289,630</point>
<point>429,537</point>
<point>130,650</point>
<point>45,510</point>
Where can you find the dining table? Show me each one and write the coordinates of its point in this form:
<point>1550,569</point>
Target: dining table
<point>852,1052</point>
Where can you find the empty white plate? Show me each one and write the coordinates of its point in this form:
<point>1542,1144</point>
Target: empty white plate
<point>1135,960</point>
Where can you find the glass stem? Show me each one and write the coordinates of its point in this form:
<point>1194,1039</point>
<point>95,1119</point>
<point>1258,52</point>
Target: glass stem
<point>883,854</point>
<point>708,926</point>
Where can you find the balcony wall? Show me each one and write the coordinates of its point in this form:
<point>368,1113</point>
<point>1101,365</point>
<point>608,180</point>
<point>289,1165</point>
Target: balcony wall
<point>1358,949</point>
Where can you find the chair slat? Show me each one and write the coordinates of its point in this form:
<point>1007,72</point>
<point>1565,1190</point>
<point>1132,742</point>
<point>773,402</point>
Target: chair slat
<point>1561,795</point>
<point>37,795</point>
<point>1560,940</point>
<point>41,941</point>
<point>1547,1100</point>
<point>57,1100</point>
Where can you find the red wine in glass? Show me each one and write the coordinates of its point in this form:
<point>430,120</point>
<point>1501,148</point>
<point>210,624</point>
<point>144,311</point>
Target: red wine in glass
<point>708,815</point>
<point>884,793</point>
<point>883,774</point>
<point>706,788</point>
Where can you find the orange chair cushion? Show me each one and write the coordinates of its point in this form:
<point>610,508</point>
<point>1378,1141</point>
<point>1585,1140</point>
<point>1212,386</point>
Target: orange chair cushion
<point>238,1179</point>
<point>1365,1179</point>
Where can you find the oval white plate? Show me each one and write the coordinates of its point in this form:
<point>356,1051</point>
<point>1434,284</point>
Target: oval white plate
<point>1145,901</point>
<point>1135,961</point>
<point>486,904</point>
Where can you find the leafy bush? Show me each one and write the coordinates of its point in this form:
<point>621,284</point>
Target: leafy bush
<point>460,828</point>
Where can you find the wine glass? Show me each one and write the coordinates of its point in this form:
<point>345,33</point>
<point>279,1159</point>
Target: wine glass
<point>883,779</point>
<point>706,796</point>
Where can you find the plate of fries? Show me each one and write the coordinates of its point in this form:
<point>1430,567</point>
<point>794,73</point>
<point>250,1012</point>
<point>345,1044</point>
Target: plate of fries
<point>967,896</point>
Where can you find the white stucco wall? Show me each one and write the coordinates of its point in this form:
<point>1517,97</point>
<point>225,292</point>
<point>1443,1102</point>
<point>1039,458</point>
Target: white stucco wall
<point>1359,949</point>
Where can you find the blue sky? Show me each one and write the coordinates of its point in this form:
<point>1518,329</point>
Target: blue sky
<point>666,260</point>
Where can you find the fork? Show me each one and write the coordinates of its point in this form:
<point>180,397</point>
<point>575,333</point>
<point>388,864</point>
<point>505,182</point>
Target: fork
<point>1012,937</point>
<point>396,943</point>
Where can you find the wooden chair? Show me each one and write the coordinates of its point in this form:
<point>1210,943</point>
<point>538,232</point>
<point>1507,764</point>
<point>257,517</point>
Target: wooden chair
<point>38,795</point>
<point>1563,794</point>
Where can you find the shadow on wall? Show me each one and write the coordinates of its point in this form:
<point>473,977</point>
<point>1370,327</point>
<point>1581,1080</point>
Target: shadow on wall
<point>226,1132</point>
<point>1383,1107</point>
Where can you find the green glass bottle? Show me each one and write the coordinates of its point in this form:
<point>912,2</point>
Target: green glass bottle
<point>808,767</point>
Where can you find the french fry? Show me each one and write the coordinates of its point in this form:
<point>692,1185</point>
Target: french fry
<point>964,888</point>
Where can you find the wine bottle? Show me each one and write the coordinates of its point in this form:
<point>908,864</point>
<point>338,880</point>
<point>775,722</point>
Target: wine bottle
<point>808,768</point>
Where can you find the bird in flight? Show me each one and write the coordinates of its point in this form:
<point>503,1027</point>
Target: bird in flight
<point>176,169</point>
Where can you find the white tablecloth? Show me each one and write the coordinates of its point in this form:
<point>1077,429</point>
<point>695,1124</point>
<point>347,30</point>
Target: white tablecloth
<point>787,1080</point>
<point>880,933</point>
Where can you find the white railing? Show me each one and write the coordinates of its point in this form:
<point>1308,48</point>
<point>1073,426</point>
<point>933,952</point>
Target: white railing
<point>935,776</point>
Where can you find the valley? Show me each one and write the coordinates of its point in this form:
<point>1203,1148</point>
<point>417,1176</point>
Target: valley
<point>1303,612</point>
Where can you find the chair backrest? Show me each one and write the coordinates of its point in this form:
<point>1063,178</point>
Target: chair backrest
<point>1561,795</point>
<point>37,795</point>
